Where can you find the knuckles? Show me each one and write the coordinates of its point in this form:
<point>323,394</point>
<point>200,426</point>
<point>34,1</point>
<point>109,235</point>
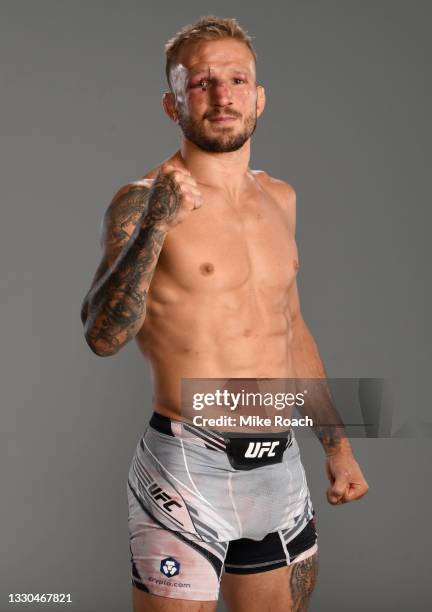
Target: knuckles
<point>186,188</point>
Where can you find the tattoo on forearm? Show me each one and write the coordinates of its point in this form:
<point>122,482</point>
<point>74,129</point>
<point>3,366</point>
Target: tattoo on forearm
<point>303,578</point>
<point>117,305</point>
<point>164,199</point>
<point>329,436</point>
<point>320,407</point>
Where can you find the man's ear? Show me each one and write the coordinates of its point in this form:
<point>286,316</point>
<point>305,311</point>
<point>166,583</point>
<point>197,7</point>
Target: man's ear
<point>168,103</point>
<point>261,99</point>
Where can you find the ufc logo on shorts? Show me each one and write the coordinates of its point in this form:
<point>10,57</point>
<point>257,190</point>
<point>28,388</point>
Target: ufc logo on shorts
<point>159,495</point>
<point>258,449</point>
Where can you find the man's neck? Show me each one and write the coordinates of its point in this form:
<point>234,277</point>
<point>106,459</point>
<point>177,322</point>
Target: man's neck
<point>225,171</point>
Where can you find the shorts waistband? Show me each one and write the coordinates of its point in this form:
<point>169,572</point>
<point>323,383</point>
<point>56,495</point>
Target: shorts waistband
<point>212,439</point>
<point>187,431</point>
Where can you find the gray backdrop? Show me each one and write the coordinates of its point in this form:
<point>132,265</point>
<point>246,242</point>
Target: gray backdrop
<point>347,124</point>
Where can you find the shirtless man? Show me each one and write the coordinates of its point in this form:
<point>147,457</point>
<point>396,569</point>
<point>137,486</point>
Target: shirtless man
<point>199,266</point>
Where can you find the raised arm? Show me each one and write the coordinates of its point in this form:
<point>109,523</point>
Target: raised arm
<point>113,310</point>
<point>134,229</point>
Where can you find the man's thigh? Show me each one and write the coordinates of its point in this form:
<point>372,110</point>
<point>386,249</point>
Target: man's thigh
<point>144,602</point>
<point>286,589</point>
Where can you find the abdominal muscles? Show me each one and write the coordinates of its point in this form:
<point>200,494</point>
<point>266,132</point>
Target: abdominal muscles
<point>241,334</point>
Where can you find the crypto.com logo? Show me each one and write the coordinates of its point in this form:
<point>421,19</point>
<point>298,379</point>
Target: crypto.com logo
<point>170,567</point>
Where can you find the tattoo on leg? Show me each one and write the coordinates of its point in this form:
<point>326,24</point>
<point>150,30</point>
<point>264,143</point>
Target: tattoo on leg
<point>302,582</point>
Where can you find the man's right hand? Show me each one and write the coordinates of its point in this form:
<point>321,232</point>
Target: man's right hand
<point>173,196</point>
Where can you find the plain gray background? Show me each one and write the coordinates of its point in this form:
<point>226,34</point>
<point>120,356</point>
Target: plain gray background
<point>348,124</point>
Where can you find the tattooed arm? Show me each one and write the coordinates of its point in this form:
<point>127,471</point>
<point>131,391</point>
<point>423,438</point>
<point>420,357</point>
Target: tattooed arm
<point>134,229</point>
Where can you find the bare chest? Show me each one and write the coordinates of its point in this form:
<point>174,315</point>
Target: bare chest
<point>222,247</point>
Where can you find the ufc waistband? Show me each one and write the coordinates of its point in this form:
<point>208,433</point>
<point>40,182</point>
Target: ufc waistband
<point>244,451</point>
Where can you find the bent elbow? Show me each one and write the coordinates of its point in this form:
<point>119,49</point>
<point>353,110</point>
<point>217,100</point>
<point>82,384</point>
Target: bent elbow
<point>101,347</point>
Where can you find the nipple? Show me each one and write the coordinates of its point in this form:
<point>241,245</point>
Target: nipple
<point>207,268</point>
<point>296,264</point>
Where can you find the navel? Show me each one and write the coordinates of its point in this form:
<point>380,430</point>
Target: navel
<point>207,268</point>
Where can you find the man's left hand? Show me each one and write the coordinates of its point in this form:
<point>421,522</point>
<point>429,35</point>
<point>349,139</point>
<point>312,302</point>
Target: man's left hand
<point>347,482</point>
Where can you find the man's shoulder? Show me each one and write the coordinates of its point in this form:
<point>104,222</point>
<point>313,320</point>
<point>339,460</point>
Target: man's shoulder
<point>281,190</point>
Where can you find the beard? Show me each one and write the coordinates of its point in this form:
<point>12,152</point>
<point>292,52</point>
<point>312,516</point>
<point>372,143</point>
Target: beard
<point>224,142</point>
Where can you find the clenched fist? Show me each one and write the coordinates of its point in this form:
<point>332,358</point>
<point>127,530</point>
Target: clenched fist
<point>347,482</point>
<point>173,196</point>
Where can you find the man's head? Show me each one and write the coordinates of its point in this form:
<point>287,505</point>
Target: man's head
<point>211,72</point>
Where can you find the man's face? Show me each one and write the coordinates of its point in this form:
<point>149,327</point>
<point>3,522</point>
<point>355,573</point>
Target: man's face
<point>216,94</point>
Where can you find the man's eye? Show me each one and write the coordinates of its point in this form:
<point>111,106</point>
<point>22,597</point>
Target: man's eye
<point>202,83</point>
<point>239,79</point>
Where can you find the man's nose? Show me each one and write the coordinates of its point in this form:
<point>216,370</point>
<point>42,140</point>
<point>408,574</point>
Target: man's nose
<point>221,93</point>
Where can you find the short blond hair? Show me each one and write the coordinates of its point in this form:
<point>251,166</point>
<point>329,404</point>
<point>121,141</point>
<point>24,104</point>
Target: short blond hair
<point>205,28</point>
